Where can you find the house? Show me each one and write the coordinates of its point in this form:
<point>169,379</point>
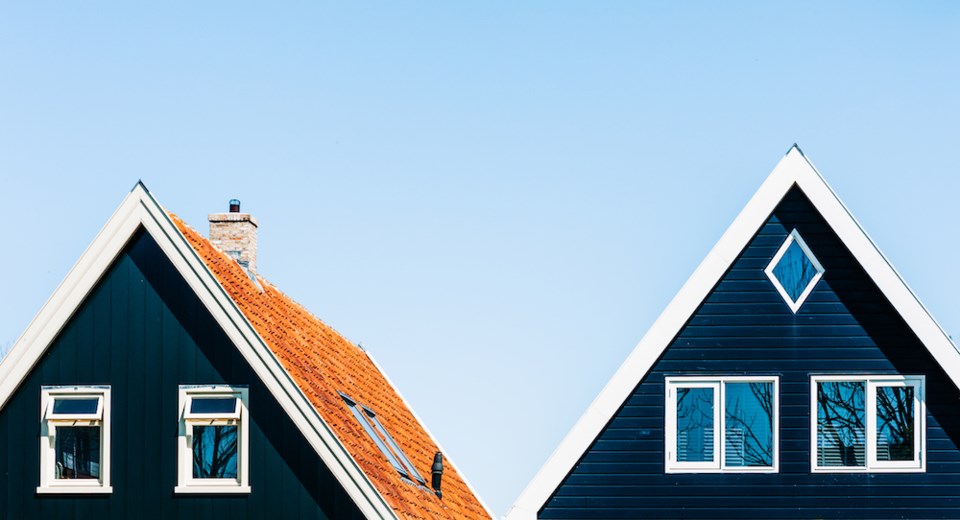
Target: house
<point>795,375</point>
<point>166,379</point>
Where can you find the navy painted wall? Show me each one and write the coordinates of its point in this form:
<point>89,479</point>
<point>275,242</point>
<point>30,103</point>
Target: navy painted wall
<point>143,332</point>
<point>846,326</point>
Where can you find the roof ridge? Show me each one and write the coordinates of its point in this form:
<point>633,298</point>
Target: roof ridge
<point>267,283</point>
<point>307,311</point>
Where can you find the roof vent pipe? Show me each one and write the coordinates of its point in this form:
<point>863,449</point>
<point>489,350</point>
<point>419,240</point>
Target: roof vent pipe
<point>234,206</point>
<point>437,473</point>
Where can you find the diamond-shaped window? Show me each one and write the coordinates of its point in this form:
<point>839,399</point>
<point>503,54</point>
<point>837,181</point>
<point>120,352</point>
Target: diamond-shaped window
<point>794,271</point>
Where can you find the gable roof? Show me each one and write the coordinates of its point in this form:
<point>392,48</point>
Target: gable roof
<point>322,363</point>
<point>302,361</point>
<point>793,170</point>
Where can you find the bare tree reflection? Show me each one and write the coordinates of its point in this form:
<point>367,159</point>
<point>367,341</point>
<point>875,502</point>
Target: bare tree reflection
<point>215,452</point>
<point>895,423</point>
<point>749,424</point>
<point>695,424</point>
<point>841,415</point>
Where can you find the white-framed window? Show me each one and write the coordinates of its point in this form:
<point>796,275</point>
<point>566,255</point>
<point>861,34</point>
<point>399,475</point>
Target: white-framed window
<point>721,424</point>
<point>867,423</point>
<point>794,271</point>
<point>213,449</point>
<point>74,439</point>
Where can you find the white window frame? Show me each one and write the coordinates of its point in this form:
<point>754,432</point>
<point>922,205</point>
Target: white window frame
<point>186,483</point>
<point>872,465</point>
<point>49,422</point>
<point>718,465</point>
<point>794,236</point>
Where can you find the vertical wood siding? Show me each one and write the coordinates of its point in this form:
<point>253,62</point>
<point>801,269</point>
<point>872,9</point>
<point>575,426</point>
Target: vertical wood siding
<point>143,332</point>
<point>744,327</point>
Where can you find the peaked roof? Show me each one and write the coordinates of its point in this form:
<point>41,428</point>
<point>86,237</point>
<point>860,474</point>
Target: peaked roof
<point>303,361</point>
<point>322,363</point>
<point>793,170</point>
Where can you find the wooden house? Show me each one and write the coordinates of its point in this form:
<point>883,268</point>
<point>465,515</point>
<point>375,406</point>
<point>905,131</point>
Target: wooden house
<point>165,378</point>
<point>795,375</point>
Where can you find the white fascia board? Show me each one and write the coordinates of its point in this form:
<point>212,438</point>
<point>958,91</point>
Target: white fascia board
<point>792,169</point>
<point>447,459</point>
<point>138,209</point>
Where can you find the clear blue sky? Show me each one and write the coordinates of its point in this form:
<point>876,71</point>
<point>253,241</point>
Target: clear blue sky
<point>496,199</point>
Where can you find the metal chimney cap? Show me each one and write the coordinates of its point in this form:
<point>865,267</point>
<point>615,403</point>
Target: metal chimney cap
<point>234,205</point>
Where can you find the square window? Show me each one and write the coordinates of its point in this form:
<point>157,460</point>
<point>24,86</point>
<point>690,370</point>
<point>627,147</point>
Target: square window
<point>74,439</point>
<point>721,424</point>
<point>213,442</point>
<point>868,423</point>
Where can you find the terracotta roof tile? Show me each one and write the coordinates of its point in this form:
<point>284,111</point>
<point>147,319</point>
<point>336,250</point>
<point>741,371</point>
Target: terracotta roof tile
<point>323,363</point>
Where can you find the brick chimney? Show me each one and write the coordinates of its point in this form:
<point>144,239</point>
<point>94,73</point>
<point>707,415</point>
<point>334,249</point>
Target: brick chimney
<point>236,234</point>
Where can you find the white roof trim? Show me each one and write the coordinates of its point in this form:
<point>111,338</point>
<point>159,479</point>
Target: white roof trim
<point>139,208</point>
<point>792,169</point>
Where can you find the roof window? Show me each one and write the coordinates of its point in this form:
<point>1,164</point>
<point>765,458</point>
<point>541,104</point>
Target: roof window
<point>384,441</point>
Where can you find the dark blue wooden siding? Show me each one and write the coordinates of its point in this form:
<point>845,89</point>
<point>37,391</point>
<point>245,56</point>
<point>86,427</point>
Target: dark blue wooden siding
<point>144,332</point>
<point>744,327</point>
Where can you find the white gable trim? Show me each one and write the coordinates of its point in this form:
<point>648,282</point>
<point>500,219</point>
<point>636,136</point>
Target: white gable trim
<point>794,168</point>
<point>138,209</point>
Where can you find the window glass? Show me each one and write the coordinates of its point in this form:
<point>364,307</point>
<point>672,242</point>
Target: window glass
<point>213,448</point>
<point>84,406</point>
<point>393,446</point>
<point>841,419</point>
<point>215,452</point>
<point>794,271</point>
<point>695,424</point>
<point>895,423</point>
<point>213,405</point>
<point>749,424</point>
<point>376,438</point>
<point>77,452</point>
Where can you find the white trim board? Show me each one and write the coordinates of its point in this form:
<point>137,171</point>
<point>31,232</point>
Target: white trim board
<point>140,209</point>
<point>793,169</point>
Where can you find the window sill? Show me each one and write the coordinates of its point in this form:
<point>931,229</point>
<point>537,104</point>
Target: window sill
<point>211,490</point>
<point>840,469</point>
<point>766,470</point>
<point>74,490</point>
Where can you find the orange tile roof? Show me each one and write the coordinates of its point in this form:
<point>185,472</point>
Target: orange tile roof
<point>322,362</point>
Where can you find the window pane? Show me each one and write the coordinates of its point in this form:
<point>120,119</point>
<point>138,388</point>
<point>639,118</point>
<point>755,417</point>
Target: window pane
<point>795,271</point>
<point>841,416</point>
<point>85,406</point>
<point>749,424</point>
<point>215,451</point>
<point>695,425</point>
<point>213,405</point>
<point>78,452</point>
<point>895,423</point>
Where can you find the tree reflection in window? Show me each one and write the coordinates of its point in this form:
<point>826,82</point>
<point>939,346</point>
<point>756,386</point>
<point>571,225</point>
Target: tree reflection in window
<point>78,452</point>
<point>841,419</point>
<point>895,435</point>
<point>695,424</point>
<point>748,439</point>
<point>215,452</point>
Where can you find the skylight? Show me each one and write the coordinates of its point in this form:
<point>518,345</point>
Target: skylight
<point>393,445</point>
<point>368,420</point>
<point>794,271</point>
